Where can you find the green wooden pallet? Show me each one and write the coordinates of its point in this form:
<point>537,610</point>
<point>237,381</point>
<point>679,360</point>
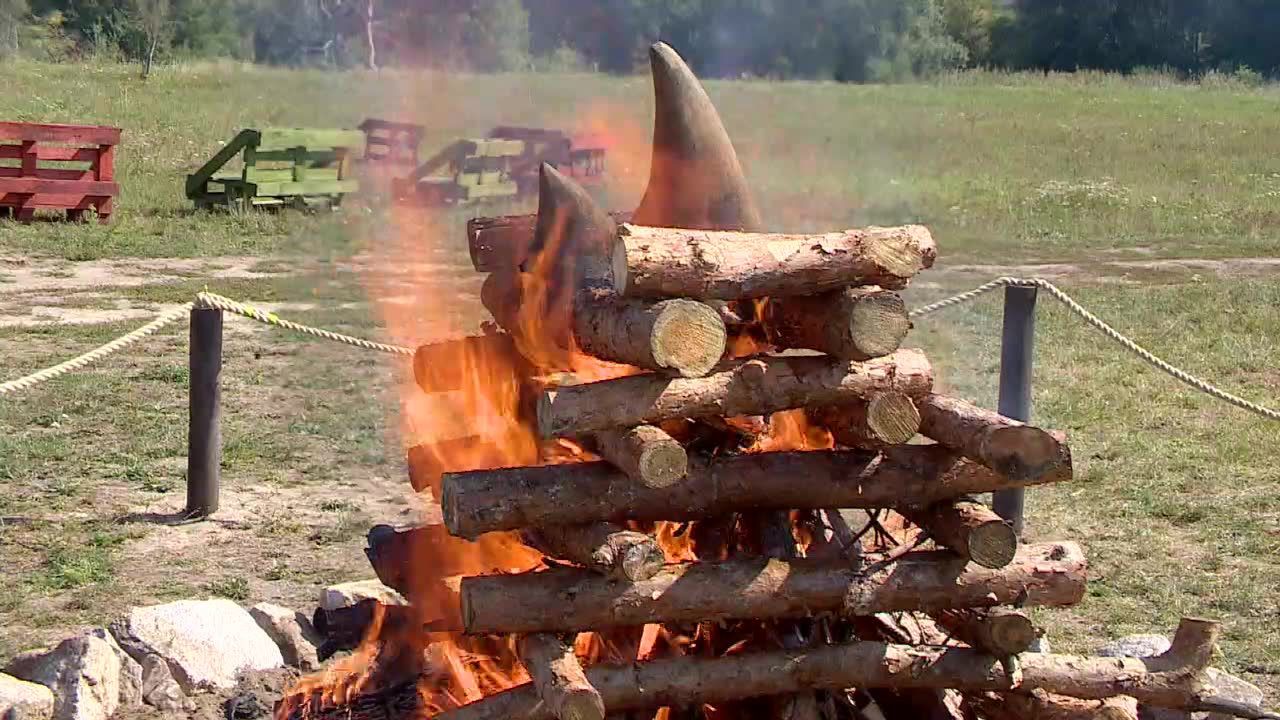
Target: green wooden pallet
<point>299,167</point>
<point>465,171</point>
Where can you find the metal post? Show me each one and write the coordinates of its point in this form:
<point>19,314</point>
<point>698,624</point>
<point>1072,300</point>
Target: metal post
<point>1017,346</point>
<point>204,434</point>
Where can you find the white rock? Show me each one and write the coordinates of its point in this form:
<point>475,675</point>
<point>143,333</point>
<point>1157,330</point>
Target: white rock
<point>1229,686</point>
<point>205,643</point>
<point>1137,646</point>
<point>292,633</point>
<point>130,670</point>
<point>83,673</point>
<point>336,597</point>
<point>22,700</point>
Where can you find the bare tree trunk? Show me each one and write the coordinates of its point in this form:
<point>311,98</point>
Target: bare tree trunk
<point>368,34</point>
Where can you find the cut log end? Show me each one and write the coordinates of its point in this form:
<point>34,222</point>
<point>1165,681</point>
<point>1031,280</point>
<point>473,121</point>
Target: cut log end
<point>992,544</point>
<point>902,251</point>
<point>1008,632</point>
<point>688,337</point>
<point>1020,450</point>
<point>663,464</point>
<point>893,418</point>
<point>647,454</point>
<point>641,562</point>
<point>878,324</point>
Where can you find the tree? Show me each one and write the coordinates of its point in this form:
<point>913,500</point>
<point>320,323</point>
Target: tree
<point>13,15</point>
<point>969,22</point>
<point>153,20</point>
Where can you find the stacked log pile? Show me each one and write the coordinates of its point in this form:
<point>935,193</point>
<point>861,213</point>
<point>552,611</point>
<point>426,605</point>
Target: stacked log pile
<point>788,610</point>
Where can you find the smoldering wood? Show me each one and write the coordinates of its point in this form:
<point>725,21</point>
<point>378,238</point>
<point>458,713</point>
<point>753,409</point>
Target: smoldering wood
<point>1174,680</point>
<point>852,324</point>
<point>1005,445</point>
<point>503,242</point>
<point>483,501</point>
<point>603,547</point>
<point>559,678</point>
<point>888,418</point>
<point>999,631</point>
<point>566,600</point>
<point>725,265</point>
<point>647,454</point>
<point>760,386</point>
<point>969,529</point>
<point>682,337</point>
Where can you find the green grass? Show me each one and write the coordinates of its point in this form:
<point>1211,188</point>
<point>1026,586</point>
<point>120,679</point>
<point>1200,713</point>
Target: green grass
<point>1020,166</point>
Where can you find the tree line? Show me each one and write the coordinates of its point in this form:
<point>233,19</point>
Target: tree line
<point>845,40</point>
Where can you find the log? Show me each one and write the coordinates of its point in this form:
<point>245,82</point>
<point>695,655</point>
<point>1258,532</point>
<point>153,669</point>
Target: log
<point>725,265</point>
<point>969,529</point>
<point>888,418</point>
<point>1002,444</point>
<point>683,337</point>
<point>603,547</point>
<point>481,501</point>
<point>1041,705</point>
<point>647,454</point>
<point>559,678</point>
<point>1174,680</point>
<point>568,600</point>
<point>998,631</point>
<point>756,387</point>
<point>852,324</point>
<point>502,243</point>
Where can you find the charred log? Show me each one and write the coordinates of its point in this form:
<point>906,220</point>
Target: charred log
<point>559,678</point>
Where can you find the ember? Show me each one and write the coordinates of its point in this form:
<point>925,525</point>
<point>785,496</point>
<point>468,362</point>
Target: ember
<point>647,514</point>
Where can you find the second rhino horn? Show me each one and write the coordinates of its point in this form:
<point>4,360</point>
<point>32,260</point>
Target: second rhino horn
<point>695,180</point>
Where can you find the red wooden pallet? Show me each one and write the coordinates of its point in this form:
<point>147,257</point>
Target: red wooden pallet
<point>30,183</point>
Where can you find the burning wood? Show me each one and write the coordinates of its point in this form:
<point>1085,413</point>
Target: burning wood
<point>683,337</point>
<point>559,678</point>
<point>647,454</point>
<point>603,547</point>
<point>502,243</point>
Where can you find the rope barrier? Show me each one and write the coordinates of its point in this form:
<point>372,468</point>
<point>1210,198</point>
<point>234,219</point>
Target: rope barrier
<point>213,301</point>
<point>1093,320</point>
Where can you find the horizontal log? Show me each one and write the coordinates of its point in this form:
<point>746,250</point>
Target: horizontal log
<point>969,529</point>
<point>647,454</point>
<point>502,243</point>
<point>559,678</point>
<point>1041,705</point>
<point>703,264</point>
<point>1002,444</point>
<point>682,337</point>
<point>483,501</point>
<point>756,387</point>
<point>467,362</point>
<point>1167,681</point>
<point>999,631</point>
<point>565,600</point>
<point>851,324</point>
<point>603,547</point>
<point>888,418</point>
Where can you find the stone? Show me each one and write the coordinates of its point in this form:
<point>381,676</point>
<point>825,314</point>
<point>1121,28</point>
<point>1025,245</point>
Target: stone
<point>130,670</point>
<point>1226,685</point>
<point>1136,646</point>
<point>22,700</point>
<point>82,672</point>
<point>159,689</point>
<point>205,643</point>
<point>336,597</point>
<point>292,633</point>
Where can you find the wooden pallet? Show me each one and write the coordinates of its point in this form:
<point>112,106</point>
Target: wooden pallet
<point>464,172</point>
<point>391,143</point>
<point>82,179</point>
<point>298,167</point>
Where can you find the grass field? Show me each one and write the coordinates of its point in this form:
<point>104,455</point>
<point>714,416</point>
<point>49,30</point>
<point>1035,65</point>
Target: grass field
<point>1177,497</point>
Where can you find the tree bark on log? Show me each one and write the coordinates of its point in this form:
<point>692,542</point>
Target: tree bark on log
<point>757,387</point>
<point>1004,445</point>
<point>969,529</point>
<point>564,600</point>
<point>706,264</point>
<point>602,547</point>
<point>559,678</point>
<point>681,336</point>
<point>888,418</point>
<point>502,243</point>
<point>481,501</point>
<point>1174,680</point>
<point>647,454</point>
<point>853,324</point>
<point>999,631</point>
<point>1041,705</point>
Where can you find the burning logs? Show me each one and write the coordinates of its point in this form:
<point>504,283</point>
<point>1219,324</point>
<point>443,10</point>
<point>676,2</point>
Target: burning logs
<point>1004,445</point>
<point>483,501</point>
<point>567,600</point>
<point>559,679</point>
<point>888,418</point>
<point>755,387</point>
<point>603,547</point>
<point>647,454</point>
<point>502,243</point>
<point>854,324</point>
<point>970,529</point>
<point>704,264</point>
<point>684,337</point>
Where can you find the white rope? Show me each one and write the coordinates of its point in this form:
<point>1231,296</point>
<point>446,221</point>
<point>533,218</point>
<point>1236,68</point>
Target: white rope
<point>1107,330</point>
<point>211,301</point>
<point>96,354</point>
